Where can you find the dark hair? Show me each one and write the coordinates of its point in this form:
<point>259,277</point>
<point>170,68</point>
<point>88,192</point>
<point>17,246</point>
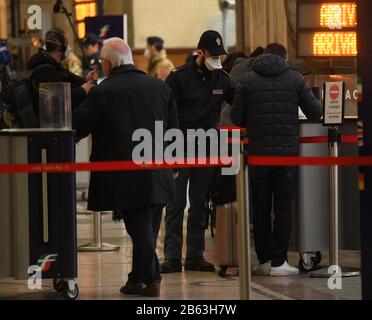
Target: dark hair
<point>277,49</point>
<point>157,42</point>
<point>257,52</point>
<point>230,60</point>
<point>55,40</point>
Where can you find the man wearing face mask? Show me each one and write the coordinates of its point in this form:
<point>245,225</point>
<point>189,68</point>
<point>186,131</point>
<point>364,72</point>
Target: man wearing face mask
<point>200,87</point>
<point>46,66</point>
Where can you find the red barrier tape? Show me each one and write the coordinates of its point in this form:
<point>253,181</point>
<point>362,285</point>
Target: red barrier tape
<point>196,163</point>
<point>303,140</point>
<point>114,166</point>
<point>203,162</point>
<point>309,161</point>
<point>324,139</point>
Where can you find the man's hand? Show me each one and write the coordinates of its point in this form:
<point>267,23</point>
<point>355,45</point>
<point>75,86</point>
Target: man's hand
<point>87,86</point>
<point>92,76</point>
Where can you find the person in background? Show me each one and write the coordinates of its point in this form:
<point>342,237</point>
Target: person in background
<point>237,65</point>
<point>231,58</point>
<point>243,65</point>
<point>129,100</point>
<point>159,65</point>
<point>199,87</point>
<point>266,104</point>
<point>46,66</point>
<point>91,46</point>
<point>73,64</point>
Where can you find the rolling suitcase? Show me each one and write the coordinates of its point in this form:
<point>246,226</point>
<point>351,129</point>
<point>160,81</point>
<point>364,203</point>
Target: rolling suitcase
<point>39,238</point>
<point>227,237</point>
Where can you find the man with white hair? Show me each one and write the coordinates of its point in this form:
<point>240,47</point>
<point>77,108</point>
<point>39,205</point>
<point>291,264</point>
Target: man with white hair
<point>126,101</point>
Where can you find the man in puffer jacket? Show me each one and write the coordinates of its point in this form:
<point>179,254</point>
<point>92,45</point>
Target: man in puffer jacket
<point>267,104</point>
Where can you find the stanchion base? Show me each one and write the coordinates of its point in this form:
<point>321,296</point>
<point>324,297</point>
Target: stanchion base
<point>323,273</point>
<point>94,247</point>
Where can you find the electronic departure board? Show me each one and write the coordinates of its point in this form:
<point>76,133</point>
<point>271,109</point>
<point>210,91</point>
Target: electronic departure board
<point>326,28</point>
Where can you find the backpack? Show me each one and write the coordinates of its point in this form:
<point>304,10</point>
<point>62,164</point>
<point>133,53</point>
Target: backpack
<point>17,109</point>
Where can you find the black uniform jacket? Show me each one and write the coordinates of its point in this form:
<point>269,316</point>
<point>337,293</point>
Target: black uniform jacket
<point>199,95</point>
<point>128,100</point>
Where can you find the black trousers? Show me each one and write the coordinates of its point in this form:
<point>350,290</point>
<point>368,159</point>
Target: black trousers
<point>199,186</point>
<point>143,226</point>
<point>272,185</point>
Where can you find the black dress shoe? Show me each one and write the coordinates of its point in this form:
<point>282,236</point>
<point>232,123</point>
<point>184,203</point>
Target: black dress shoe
<point>151,290</point>
<point>133,288</point>
<point>199,265</point>
<point>171,267</point>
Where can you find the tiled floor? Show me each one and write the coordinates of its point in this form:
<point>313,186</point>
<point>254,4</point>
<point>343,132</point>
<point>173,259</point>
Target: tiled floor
<point>102,274</point>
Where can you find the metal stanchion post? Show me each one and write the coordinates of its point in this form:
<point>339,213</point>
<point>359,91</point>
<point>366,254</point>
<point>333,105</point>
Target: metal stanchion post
<point>97,245</point>
<point>244,229</point>
<point>334,138</point>
<point>97,229</point>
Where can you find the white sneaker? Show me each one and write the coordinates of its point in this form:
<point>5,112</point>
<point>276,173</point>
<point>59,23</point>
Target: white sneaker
<point>262,269</point>
<point>284,270</point>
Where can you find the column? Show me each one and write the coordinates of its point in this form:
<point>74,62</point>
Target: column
<point>3,19</point>
<point>263,22</point>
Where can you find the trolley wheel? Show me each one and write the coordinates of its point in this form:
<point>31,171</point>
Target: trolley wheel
<point>306,267</point>
<point>58,284</point>
<point>68,294</point>
<point>310,263</point>
<point>222,271</point>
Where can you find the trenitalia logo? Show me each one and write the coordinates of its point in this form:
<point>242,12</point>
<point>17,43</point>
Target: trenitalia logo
<point>45,261</point>
<point>36,272</point>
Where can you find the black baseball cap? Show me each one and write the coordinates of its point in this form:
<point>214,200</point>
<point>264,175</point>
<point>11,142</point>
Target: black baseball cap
<point>212,42</point>
<point>90,39</point>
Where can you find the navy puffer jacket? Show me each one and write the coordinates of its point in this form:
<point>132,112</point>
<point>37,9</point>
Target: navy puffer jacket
<point>267,102</point>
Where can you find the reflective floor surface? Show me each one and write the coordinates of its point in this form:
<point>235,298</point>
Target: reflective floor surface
<point>102,274</point>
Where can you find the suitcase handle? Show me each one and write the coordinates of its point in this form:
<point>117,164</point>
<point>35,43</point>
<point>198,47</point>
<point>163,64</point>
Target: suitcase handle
<point>44,182</point>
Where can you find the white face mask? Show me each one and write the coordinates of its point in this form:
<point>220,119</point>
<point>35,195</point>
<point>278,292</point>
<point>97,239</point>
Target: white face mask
<point>213,63</point>
<point>147,53</point>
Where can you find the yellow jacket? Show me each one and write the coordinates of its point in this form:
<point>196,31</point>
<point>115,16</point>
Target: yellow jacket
<point>160,66</point>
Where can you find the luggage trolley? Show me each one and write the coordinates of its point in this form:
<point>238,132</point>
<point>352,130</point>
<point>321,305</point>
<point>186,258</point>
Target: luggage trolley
<point>38,211</point>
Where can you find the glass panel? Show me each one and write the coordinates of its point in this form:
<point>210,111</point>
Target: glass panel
<point>55,105</point>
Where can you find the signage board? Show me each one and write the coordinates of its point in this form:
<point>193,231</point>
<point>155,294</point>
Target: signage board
<point>326,28</point>
<point>334,103</point>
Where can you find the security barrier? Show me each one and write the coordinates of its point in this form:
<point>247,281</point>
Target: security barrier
<point>242,181</point>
